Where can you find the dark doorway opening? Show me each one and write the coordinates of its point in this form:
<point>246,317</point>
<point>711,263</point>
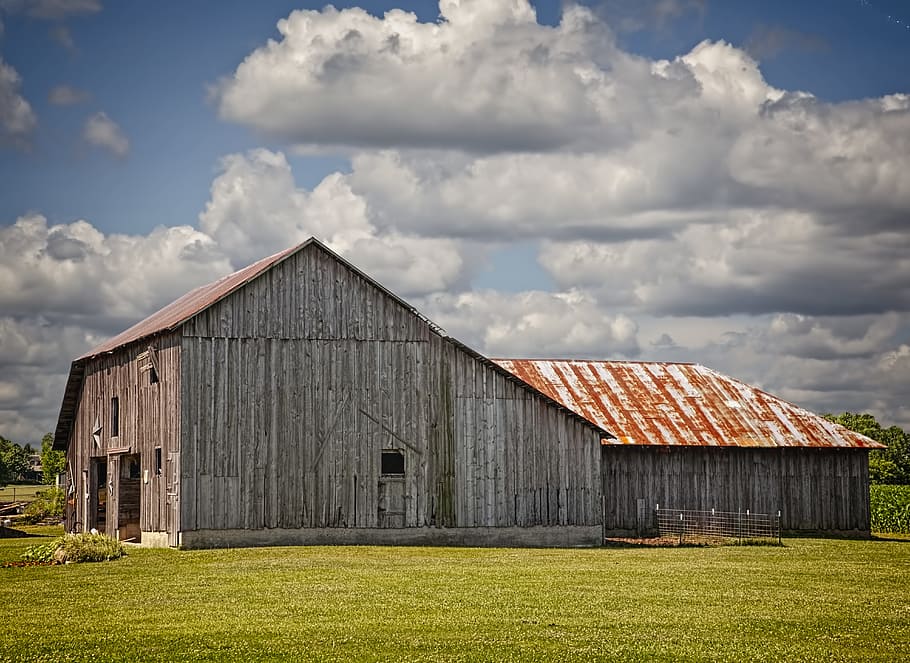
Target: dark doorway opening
<point>129,504</point>
<point>98,490</point>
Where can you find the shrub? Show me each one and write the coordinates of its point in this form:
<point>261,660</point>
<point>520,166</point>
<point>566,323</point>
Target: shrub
<point>84,547</point>
<point>88,547</point>
<point>48,505</point>
<point>890,507</point>
<point>42,552</point>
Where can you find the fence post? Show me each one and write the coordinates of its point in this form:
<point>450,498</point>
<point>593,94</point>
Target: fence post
<point>739,525</point>
<point>779,541</point>
<point>681,528</point>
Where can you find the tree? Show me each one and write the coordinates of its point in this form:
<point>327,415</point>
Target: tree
<point>886,466</point>
<point>52,462</point>
<point>13,461</point>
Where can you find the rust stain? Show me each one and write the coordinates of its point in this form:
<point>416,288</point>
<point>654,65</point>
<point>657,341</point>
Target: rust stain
<point>675,404</point>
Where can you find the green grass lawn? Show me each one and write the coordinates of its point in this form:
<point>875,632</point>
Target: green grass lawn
<point>811,599</point>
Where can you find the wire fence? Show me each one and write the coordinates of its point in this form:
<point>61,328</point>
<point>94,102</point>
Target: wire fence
<point>697,526</point>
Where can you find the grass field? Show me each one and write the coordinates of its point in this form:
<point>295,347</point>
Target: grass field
<point>24,493</point>
<point>811,599</point>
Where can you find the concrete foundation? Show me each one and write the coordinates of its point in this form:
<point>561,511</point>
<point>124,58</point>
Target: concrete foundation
<point>506,537</point>
<point>154,540</point>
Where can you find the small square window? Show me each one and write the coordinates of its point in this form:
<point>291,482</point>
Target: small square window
<point>392,463</point>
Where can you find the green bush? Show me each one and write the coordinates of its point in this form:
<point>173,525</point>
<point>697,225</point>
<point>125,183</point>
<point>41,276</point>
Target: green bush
<point>43,552</point>
<point>890,506</point>
<point>87,547</point>
<point>84,547</point>
<point>48,505</point>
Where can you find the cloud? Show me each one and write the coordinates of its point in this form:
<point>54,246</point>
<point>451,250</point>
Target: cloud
<point>74,272</point>
<point>769,41</point>
<point>256,209</point>
<point>634,15</point>
<point>17,120</point>
<point>54,10</point>
<point>755,262</point>
<point>67,95</point>
<point>62,35</point>
<point>486,78</point>
<point>534,324</point>
<point>101,131</point>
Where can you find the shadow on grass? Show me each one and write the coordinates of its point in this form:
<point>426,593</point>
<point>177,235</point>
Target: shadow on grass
<point>674,542</point>
<point>12,533</point>
<point>890,537</point>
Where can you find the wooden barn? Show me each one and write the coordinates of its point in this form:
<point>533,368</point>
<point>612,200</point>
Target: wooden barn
<point>687,437</point>
<point>297,401</point>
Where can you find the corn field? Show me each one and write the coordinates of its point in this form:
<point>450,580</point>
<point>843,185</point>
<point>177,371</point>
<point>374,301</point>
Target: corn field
<point>890,507</point>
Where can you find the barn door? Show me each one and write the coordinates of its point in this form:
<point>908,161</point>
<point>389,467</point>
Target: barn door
<point>173,499</point>
<point>392,498</point>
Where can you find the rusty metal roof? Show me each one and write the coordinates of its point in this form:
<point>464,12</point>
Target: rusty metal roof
<point>179,311</point>
<point>675,404</point>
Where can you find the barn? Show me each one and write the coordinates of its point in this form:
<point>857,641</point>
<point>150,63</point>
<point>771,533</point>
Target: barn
<point>297,401</point>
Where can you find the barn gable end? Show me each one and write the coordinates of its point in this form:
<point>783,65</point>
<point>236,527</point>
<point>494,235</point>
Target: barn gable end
<point>298,383</point>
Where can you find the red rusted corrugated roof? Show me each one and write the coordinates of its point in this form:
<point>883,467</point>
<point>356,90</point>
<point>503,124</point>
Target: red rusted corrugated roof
<point>672,404</point>
<point>193,302</point>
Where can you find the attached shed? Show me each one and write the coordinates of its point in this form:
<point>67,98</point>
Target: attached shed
<point>298,401</point>
<point>688,437</point>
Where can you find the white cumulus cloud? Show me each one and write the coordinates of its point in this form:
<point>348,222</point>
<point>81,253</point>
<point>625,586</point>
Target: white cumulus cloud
<point>102,132</point>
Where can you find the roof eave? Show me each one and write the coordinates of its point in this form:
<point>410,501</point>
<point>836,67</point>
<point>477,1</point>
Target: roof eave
<point>68,406</point>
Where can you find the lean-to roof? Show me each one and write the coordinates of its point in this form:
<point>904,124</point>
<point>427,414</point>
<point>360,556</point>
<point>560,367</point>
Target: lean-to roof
<point>675,404</point>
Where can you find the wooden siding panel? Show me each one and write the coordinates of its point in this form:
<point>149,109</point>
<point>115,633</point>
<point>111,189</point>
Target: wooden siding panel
<point>815,489</point>
<point>148,418</point>
<point>303,377</point>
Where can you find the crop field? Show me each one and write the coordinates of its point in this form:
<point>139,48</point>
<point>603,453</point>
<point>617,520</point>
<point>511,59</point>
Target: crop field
<point>811,599</point>
<point>890,506</point>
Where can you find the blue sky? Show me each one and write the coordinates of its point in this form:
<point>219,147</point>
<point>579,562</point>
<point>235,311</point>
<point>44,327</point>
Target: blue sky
<point>183,147</point>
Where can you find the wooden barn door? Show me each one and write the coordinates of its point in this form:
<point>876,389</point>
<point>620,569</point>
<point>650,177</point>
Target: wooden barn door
<point>173,499</point>
<point>392,484</point>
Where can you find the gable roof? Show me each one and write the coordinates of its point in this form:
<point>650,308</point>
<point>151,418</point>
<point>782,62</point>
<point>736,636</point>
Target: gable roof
<point>183,309</point>
<point>676,404</point>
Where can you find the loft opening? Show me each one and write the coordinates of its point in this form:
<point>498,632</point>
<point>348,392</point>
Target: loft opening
<point>392,463</point>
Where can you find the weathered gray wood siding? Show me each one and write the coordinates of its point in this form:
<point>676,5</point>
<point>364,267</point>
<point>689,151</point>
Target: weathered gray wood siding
<point>814,489</point>
<point>294,385</point>
<point>149,417</point>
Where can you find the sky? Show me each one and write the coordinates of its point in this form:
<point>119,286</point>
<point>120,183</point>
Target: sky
<point>726,183</point>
